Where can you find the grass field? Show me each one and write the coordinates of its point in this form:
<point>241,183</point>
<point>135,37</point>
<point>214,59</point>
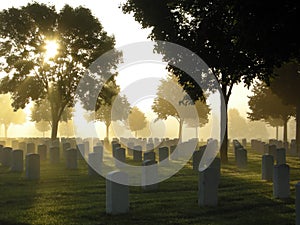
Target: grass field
<point>72,197</point>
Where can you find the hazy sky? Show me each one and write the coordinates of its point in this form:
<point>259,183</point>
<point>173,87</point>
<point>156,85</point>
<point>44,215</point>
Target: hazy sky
<point>126,31</point>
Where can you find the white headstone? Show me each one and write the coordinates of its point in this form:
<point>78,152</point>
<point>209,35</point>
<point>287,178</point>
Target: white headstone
<point>71,158</point>
<point>281,181</point>
<point>137,153</point>
<point>117,195</point>
<point>95,164</point>
<point>17,161</point>
<point>208,186</point>
<point>149,175</point>
<point>280,156</point>
<point>32,167</point>
<point>6,156</point>
<point>54,155</point>
<point>241,158</point>
<point>267,167</point>
<point>42,151</point>
<point>163,155</point>
<point>149,156</point>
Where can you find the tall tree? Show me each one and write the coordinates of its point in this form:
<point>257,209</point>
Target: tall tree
<point>8,115</point>
<point>267,106</point>
<point>275,122</point>
<point>45,53</point>
<point>43,126</point>
<point>286,85</point>
<point>41,111</point>
<point>235,38</point>
<point>237,125</point>
<point>170,101</point>
<point>117,109</point>
<point>136,120</point>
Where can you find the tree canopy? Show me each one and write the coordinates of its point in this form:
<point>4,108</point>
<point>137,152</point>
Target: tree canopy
<point>136,120</point>
<point>286,85</point>
<point>235,38</point>
<point>8,115</point>
<point>35,70</point>
<point>267,106</point>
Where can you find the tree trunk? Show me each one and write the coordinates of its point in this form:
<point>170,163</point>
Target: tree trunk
<point>180,130</point>
<point>276,132</point>
<point>285,130</point>
<point>54,128</point>
<point>224,127</point>
<point>107,131</point>
<point>298,128</point>
<point>197,135</point>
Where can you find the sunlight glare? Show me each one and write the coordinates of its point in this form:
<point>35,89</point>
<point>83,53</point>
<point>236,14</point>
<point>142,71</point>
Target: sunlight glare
<point>51,49</point>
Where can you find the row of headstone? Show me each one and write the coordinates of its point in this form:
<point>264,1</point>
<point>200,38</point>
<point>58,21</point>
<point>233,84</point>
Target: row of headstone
<point>263,147</point>
<point>279,174</point>
<point>298,203</point>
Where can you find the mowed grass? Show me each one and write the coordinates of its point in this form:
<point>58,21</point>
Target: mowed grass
<point>72,197</point>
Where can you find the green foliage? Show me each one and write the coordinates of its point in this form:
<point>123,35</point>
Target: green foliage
<point>66,129</point>
<point>136,120</point>
<point>8,115</point>
<point>239,40</point>
<point>41,111</point>
<point>31,74</point>
<point>43,126</point>
<point>265,104</point>
<point>117,109</point>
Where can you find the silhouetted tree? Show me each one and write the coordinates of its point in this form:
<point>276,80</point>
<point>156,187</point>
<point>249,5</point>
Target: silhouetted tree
<point>43,126</point>
<point>265,105</point>
<point>286,85</point>
<point>237,125</point>
<point>8,115</point>
<point>136,120</point>
<point>117,109</point>
<point>235,38</point>
<point>45,53</point>
<point>275,122</point>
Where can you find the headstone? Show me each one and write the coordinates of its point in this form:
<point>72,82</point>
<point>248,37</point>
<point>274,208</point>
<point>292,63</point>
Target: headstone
<point>266,148</point>
<point>30,148</point>
<point>54,155</point>
<point>149,156</point>
<point>115,145</point>
<point>99,149</point>
<point>267,167</point>
<point>163,155</point>
<point>22,146</point>
<point>173,152</point>
<point>1,153</point>
<point>80,151</point>
<point>272,150</point>
<point>280,156</point>
<point>298,203</point>
<point>120,157</point>
<point>241,159</point>
<point>197,155</point>
<point>95,163</point>
<point>137,153</point>
<point>281,181</point>
<point>42,151</point>
<point>32,167</point>
<point>208,185</point>
<point>149,175</point>
<point>71,158</point>
<point>65,147</point>
<point>17,161</point>
<point>130,147</point>
<point>244,142</point>
<point>150,147</point>
<point>117,195</point>
<point>6,156</point>
<point>15,144</point>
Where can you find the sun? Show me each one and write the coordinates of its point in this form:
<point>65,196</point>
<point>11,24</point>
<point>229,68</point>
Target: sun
<point>51,48</point>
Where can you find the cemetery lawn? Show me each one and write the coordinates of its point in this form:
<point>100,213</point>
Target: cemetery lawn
<point>72,197</point>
